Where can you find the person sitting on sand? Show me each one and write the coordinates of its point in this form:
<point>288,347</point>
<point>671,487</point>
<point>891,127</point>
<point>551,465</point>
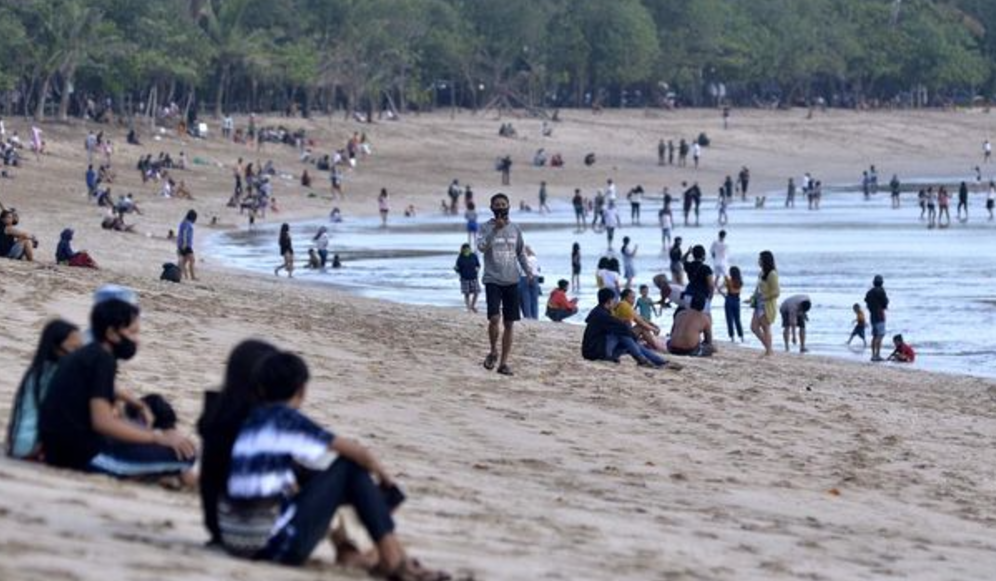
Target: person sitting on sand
<point>58,339</point>
<point>795,312</point>
<point>79,426</point>
<point>691,334</point>
<point>65,255</point>
<point>305,179</point>
<point>589,159</point>
<point>15,244</point>
<point>624,311</point>
<point>127,205</point>
<point>314,262</point>
<point>903,353</point>
<point>182,192</point>
<point>559,307</point>
<point>272,512</point>
<point>606,338</point>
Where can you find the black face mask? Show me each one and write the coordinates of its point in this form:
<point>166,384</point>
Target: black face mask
<point>124,349</point>
<point>500,213</point>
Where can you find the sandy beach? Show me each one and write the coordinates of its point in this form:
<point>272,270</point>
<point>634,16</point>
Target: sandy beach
<point>734,468</point>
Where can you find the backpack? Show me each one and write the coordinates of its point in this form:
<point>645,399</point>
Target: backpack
<point>171,272</point>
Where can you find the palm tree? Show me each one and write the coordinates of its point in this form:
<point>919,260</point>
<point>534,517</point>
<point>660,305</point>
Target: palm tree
<point>224,23</point>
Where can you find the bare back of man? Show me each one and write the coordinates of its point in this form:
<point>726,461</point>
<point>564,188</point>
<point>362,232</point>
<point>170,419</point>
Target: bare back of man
<point>691,334</point>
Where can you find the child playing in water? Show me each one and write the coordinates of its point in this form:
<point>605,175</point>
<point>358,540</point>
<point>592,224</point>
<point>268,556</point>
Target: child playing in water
<point>903,352</point>
<point>859,326</point>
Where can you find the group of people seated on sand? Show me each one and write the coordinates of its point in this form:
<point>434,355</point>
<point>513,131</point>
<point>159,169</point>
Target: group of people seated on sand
<point>156,169</point>
<point>19,244</point>
<point>272,481</point>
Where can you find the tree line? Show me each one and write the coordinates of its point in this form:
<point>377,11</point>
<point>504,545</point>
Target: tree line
<point>61,57</point>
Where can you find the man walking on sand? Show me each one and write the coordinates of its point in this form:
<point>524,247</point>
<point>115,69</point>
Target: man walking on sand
<point>503,248</point>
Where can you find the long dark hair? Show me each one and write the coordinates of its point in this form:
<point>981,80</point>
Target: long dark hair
<point>735,275</point>
<point>49,351</point>
<point>284,231</point>
<point>767,264</point>
<point>219,424</point>
<point>576,250</point>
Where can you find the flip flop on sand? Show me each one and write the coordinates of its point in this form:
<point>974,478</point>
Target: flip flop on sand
<point>489,361</point>
<point>409,570</point>
<point>505,370</point>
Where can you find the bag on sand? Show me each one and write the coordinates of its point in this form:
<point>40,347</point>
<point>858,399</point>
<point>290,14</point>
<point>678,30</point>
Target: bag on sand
<point>171,272</point>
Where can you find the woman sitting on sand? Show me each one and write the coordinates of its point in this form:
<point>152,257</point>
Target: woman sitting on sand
<point>58,339</point>
<point>765,300</point>
<point>65,255</point>
<point>277,503</point>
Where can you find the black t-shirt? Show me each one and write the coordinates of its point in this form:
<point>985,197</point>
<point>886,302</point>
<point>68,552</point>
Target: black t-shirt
<point>65,424</point>
<point>698,279</point>
<point>877,302</point>
<point>6,242</point>
<point>285,245</point>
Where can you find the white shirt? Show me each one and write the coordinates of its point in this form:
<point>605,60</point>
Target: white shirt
<point>323,242</point>
<point>988,146</point>
<point>611,217</point>
<point>696,149</point>
<point>636,197</point>
<point>718,252</point>
<point>611,191</point>
<point>609,279</point>
<point>666,221</point>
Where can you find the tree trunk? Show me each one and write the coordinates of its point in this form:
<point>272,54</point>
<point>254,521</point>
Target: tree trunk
<point>67,91</point>
<point>42,98</point>
<point>219,96</point>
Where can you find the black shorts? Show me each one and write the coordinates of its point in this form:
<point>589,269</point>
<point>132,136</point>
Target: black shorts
<point>800,320</point>
<point>502,299</point>
<point>186,251</point>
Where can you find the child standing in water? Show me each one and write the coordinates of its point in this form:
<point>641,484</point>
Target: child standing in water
<point>859,326</point>
<point>468,266</point>
<point>576,267</point>
<point>471,216</point>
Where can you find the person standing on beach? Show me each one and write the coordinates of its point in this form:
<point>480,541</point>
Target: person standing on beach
<point>987,152</point>
<point>721,203</point>
<point>383,206</point>
<point>543,207</point>
<point>628,255</point>
<point>185,246</point>
<point>468,266</point>
<point>666,221</point>
<point>962,202</point>
<point>720,251</point>
<point>596,215</point>
<point>877,302</point>
<point>677,268</point>
<point>696,153</point>
<point>576,268</point>
<point>502,245</point>
<point>944,204</point>
<point>472,227</point>
<point>790,194</point>
<point>286,252</point>
<point>610,218</point>
<point>686,201</point>
<point>670,152</point>
<point>744,182</point>
<point>578,202</point>
<point>635,197</point>
<point>795,313</point>
<point>991,199</point>
<point>321,241</point>
<point>661,152</point>
<point>730,288</point>
<point>894,188</point>
<point>682,153</point>
<point>765,300</point>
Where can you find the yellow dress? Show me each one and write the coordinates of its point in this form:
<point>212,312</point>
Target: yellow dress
<point>768,291</point>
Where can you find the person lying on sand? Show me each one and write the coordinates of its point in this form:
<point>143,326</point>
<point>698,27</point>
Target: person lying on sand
<point>691,334</point>
<point>280,501</point>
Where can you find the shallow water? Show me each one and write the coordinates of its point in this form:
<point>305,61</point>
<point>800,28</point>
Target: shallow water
<point>940,282</point>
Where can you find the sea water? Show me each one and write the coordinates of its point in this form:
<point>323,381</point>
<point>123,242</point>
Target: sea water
<point>940,282</point>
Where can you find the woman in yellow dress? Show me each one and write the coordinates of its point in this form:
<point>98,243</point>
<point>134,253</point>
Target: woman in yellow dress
<point>765,300</point>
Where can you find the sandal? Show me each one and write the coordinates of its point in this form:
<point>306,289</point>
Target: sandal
<point>409,570</point>
<point>489,361</point>
<point>505,370</point>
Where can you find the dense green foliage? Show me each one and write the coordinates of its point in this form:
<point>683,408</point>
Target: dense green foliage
<point>219,55</point>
